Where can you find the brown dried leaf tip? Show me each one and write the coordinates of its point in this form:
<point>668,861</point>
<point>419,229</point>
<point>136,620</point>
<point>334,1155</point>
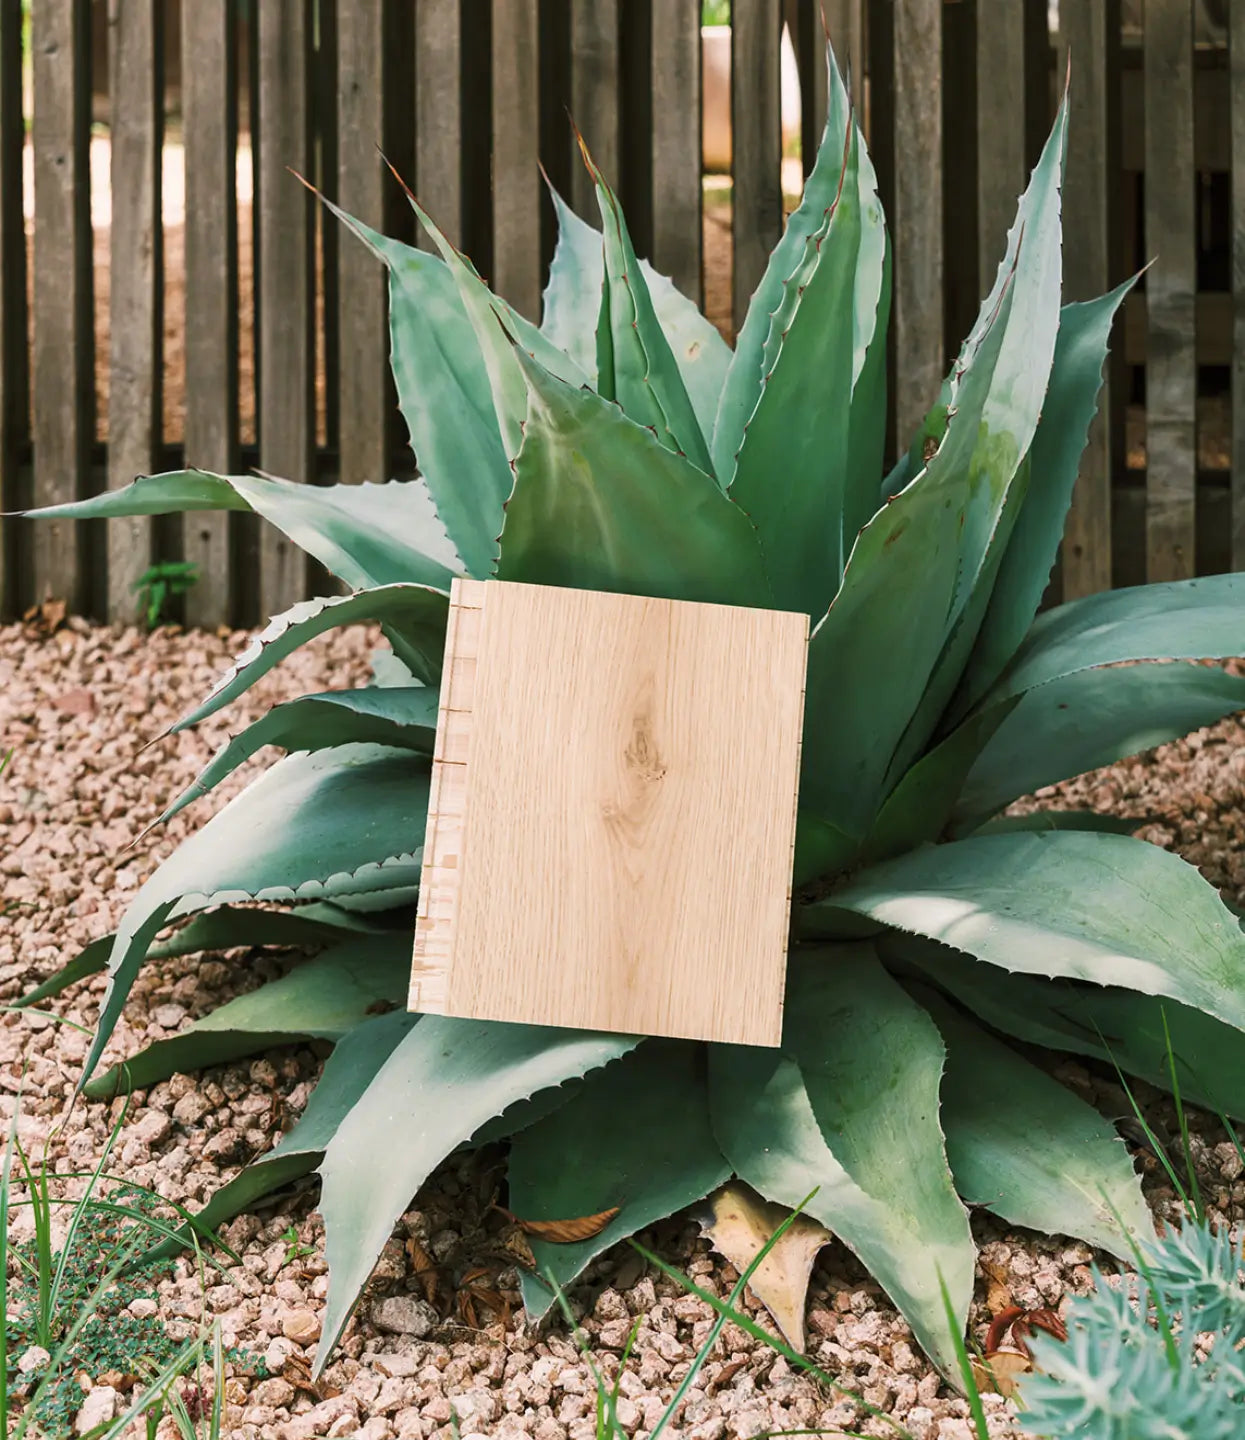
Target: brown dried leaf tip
<point>567,1232</point>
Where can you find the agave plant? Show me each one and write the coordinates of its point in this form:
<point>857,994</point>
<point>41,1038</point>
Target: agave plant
<point>624,446</point>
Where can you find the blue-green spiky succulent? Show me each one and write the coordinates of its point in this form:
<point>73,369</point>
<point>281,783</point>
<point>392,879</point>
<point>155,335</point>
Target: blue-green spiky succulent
<point>624,446</point>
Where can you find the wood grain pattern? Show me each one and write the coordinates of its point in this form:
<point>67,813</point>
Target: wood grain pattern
<point>756,130</point>
<point>363,333</point>
<point>1000,129</point>
<point>917,227</point>
<point>1087,273</point>
<point>135,57</point>
<point>286,302</point>
<point>209,128</point>
<point>438,115</point>
<point>1171,285</point>
<point>676,88</point>
<point>516,137</point>
<point>64,388</point>
<point>603,849</point>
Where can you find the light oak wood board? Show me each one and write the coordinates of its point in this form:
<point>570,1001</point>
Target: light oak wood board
<point>612,817</point>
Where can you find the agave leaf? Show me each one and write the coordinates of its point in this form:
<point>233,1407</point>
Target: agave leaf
<point>635,365</point>
<point>319,826</point>
<point>871,315</point>
<point>1070,405</point>
<point>1178,620</point>
<point>322,998</point>
<point>1105,908</point>
<point>348,1071</point>
<point>404,717</point>
<point>1119,1027</point>
<point>445,1079</point>
<point>1087,719</point>
<point>415,616</point>
<point>600,504</point>
<point>791,477</point>
<point>742,385</point>
<point>661,1159</point>
<point>1065,820</point>
<point>494,323</point>
<point>1027,1148</point>
<point>225,928</point>
<point>445,395</point>
<point>573,298</point>
<point>885,1192</point>
<point>920,572</point>
<point>365,534</point>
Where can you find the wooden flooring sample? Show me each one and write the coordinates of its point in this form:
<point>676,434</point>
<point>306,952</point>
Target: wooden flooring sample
<point>612,817</point>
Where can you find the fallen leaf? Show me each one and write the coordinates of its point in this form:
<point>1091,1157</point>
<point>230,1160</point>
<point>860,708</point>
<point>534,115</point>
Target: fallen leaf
<point>425,1269</point>
<point>567,1232</point>
<point>738,1223</point>
<point>998,1291</point>
<point>999,1373</point>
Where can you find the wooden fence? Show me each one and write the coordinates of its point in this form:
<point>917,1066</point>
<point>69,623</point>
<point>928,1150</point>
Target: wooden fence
<point>211,315</point>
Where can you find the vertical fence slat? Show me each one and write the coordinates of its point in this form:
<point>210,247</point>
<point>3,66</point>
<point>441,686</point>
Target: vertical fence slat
<point>844,19</point>
<point>64,338</point>
<point>1000,128</point>
<point>1171,284</point>
<point>756,144</point>
<point>286,310</point>
<point>808,35</point>
<point>1083,34</point>
<point>14,380</point>
<point>439,114</point>
<point>1236,59</point>
<point>209,129</point>
<point>135,58</point>
<point>516,133</point>
<point>363,365</point>
<point>917,224</point>
<point>675,78</point>
<point>594,95</point>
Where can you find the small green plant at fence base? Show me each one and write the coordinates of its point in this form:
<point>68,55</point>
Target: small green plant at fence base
<point>159,583</point>
<point>294,1247</point>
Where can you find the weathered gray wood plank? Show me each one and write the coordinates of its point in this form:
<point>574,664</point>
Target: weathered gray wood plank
<point>136,63</point>
<point>439,114</point>
<point>845,21</point>
<point>64,382</point>
<point>674,71</point>
<point>516,137</point>
<point>1000,128</point>
<point>286,308</point>
<point>1171,285</point>
<point>1086,273</point>
<point>209,128</point>
<point>917,222</point>
<point>594,96</point>
<point>15,536</point>
<point>1236,60</point>
<point>362,329</point>
<point>756,144</point>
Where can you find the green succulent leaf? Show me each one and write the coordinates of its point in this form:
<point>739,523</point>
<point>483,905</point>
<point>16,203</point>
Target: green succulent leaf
<point>366,535</point>
<point>742,385</point>
<point>792,478</point>
<point>348,1072</point>
<point>404,717</point>
<point>1088,719</point>
<point>1065,820</point>
<point>1071,402</point>
<point>1119,1027</point>
<point>322,998</point>
<point>1027,1148</point>
<point>871,318</point>
<point>573,298</point>
<point>414,615</point>
<point>635,364</point>
<point>1105,908</point>
<point>600,504</point>
<point>319,826</point>
<point>662,1157</point>
<point>854,1112</point>
<point>444,1080</point>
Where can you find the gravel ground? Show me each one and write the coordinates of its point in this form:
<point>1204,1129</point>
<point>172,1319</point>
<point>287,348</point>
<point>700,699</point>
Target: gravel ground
<point>77,707</point>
